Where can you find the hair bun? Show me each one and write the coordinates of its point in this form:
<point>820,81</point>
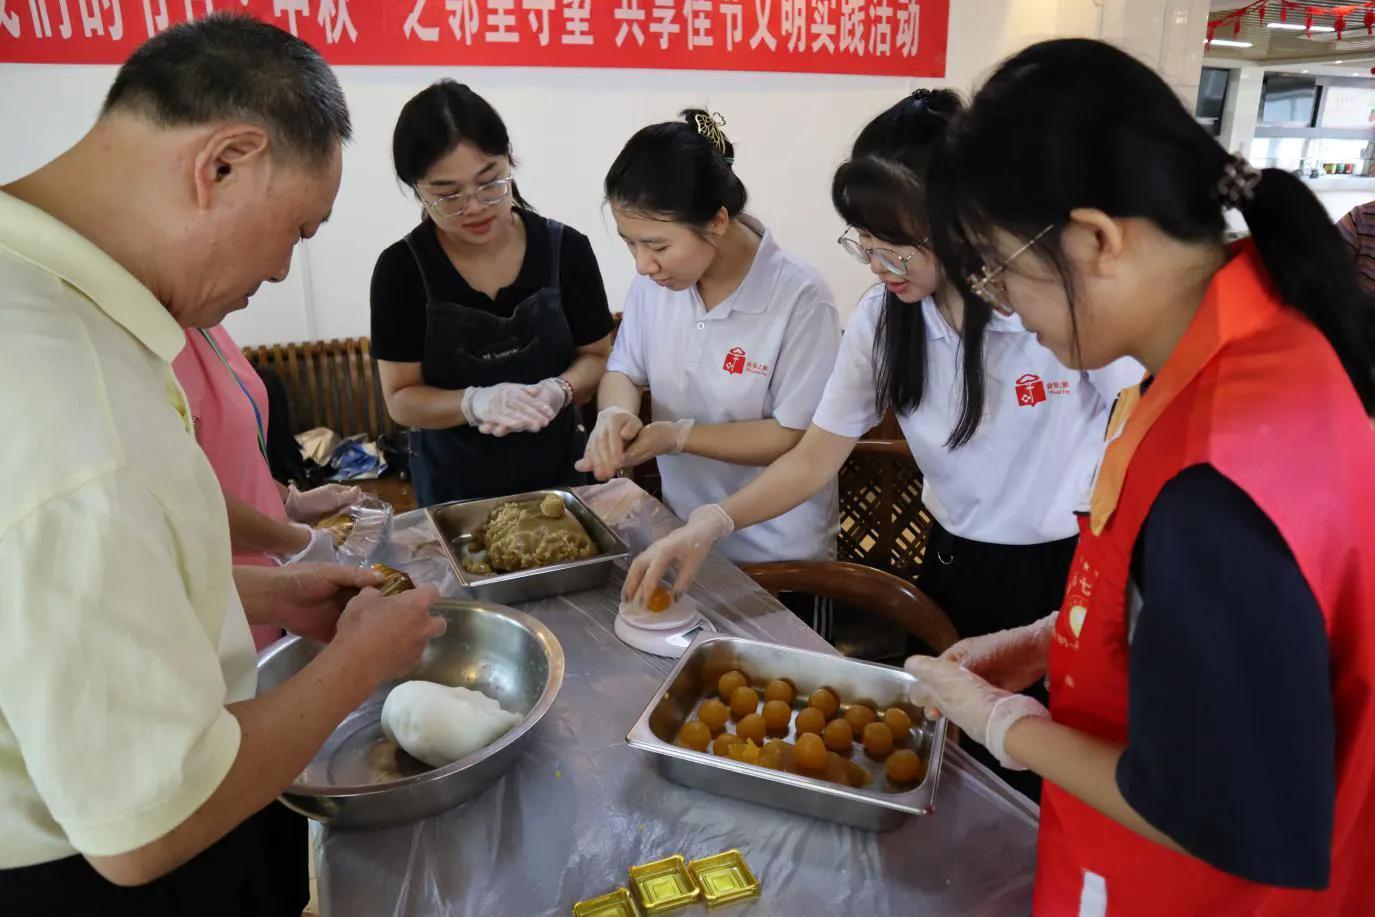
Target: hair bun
<point>708,125</point>
<point>943,103</point>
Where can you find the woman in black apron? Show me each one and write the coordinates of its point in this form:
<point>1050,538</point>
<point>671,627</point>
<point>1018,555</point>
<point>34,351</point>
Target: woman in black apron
<point>489,322</point>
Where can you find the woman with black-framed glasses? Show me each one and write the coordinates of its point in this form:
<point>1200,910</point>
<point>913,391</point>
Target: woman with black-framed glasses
<point>489,322</point>
<point>1006,438</point>
<point>1224,581</point>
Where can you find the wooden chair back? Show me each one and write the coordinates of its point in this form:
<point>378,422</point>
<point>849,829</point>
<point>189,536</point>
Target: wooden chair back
<point>883,523</point>
<point>331,384</point>
<point>882,594</point>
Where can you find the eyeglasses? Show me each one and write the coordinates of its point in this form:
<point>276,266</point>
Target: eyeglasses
<point>452,205</point>
<point>888,259</point>
<point>989,285</point>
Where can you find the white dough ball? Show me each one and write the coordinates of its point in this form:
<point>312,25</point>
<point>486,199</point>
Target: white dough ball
<point>439,725</point>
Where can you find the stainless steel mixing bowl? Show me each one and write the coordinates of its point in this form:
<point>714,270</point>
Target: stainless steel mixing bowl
<point>360,779</point>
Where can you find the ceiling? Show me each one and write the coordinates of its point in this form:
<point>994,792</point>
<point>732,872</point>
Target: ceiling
<point>1278,49</point>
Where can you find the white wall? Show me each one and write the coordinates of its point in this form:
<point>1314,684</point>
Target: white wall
<point>1241,109</point>
<point>567,125</point>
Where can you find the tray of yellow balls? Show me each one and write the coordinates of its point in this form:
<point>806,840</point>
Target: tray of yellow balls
<point>813,733</point>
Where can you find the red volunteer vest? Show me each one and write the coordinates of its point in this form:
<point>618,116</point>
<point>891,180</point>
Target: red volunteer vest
<point>1254,390</point>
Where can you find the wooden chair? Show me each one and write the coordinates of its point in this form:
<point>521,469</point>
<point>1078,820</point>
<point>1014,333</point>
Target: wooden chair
<point>331,384</point>
<point>335,384</point>
<point>882,594</point>
<point>887,596</point>
<point>882,521</point>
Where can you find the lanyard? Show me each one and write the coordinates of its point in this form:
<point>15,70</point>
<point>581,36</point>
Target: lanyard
<point>257,415</point>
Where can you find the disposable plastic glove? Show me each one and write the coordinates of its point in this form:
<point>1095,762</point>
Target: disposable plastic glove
<point>320,548</point>
<point>662,437</point>
<point>606,445</point>
<point>984,712</point>
<point>683,549</point>
<point>1013,659</point>
<point>547,395</point>
<point>310,506</point>
<point>506,407</point>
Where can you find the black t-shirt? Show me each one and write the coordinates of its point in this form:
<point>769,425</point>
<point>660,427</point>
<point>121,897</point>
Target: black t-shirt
<point>1231,727</point>
<point>398,294</point>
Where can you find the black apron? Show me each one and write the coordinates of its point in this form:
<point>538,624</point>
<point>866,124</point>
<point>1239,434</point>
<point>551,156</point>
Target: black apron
<point>260,869</point>
<point>466,347</point>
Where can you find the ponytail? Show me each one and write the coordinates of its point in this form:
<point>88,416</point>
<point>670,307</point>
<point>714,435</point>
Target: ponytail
<point>1040,141</point>
<point>1312,267</point>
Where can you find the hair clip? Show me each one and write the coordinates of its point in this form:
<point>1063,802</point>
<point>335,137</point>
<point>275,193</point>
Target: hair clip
<point>924,98</point>
<point>709,126</point>
<point>1238,183</point>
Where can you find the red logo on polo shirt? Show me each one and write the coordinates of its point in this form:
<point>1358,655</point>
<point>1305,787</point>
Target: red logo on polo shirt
<point>735,361</point>
<point>1031,391</point>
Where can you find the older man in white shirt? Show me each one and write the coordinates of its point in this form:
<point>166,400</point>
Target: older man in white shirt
<point>137,768</point>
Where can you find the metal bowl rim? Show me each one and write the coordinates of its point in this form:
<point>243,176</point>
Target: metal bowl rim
<point>553,652</point>
<point>643,738</point>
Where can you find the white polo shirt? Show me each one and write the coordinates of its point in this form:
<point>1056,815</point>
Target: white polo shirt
<point>121,634</point>
<point>765,352</point>
<point>1030,463</point>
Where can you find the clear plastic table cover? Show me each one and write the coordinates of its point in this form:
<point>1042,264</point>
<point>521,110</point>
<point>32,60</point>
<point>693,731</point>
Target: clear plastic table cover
<point>581,807</point>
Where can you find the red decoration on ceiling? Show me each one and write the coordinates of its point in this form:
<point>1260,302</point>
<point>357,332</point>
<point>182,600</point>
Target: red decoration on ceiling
<point>1338,14</point>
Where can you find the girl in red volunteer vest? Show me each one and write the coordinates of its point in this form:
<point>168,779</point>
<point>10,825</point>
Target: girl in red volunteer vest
<point>1210,742</point>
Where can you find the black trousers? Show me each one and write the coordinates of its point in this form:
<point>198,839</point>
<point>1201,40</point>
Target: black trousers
<point>991,587</point>
<point>259,869</point>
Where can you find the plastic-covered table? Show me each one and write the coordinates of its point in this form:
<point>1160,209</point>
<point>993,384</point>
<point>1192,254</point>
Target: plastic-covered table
<point>581,807</point>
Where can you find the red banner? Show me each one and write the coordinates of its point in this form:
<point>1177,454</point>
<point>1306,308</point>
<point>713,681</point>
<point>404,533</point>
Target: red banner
<point>888,37</point>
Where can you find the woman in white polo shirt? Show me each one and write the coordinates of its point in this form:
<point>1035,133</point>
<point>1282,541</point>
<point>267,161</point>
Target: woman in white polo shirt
<point>1006,437</point>
<point>733,337</point>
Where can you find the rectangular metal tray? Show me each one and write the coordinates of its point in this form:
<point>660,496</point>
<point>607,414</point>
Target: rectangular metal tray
<point>874,808</point>
<point>457,523</point>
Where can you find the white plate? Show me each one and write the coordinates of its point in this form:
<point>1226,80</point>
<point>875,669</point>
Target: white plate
<point>676,615</point>
<point>669,643</point>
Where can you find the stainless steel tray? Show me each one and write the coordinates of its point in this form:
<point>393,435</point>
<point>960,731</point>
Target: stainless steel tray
<point>458,523</point>
<point>874,808</point>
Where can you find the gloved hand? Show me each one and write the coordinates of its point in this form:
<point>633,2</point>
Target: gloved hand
<point>684,548</point>
<point>1013,659</point>
<point>984,712</point>
<point>606,445</point>
<point>320,548</point>
<point>310,506</point>
<point>545,394</point>
<point>553,395</point>
<point>662,437</point>
<point>506,407</point>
